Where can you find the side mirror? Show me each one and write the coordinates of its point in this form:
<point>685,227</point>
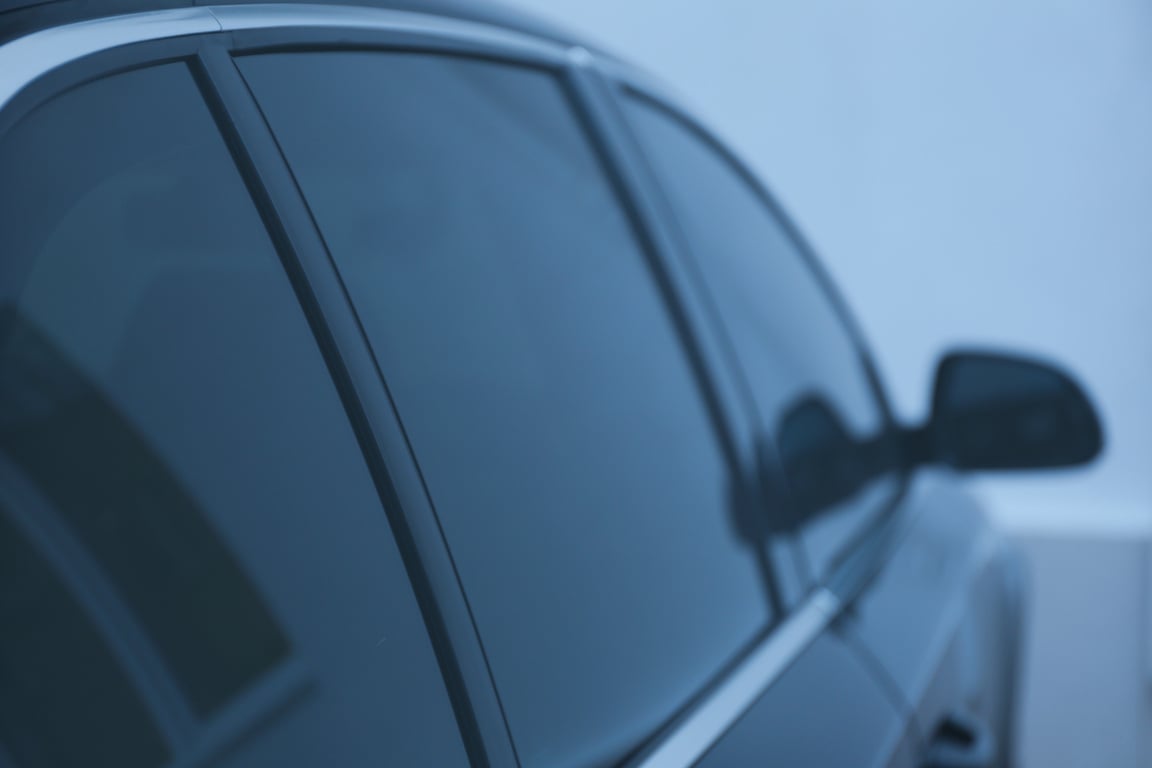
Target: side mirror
<point>992,411</point>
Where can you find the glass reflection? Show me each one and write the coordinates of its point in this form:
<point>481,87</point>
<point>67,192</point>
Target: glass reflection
<point>824,464</point>
<point>102,482</point>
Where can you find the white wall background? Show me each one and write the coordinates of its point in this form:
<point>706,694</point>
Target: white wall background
<point>972,171</point>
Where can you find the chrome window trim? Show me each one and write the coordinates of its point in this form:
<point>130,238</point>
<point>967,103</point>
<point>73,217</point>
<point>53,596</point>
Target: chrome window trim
<point>234,18</point>
<point>26,59</point>
<point>707,723</point>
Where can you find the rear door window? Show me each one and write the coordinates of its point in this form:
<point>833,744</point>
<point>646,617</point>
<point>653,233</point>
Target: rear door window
<point>805,371</point>
<point>553,410</point>
<point>194,562</point>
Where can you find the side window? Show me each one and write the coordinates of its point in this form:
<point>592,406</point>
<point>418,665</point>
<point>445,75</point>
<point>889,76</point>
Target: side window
<point>575,471</point>
<point>194,563</point>
<point>811,390</point>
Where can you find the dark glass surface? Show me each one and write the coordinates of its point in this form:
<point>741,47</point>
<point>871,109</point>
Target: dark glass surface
<point>162,392</point>
<point>65,702</point>
<point>997,411</point>
<point>553,411</point>
<point>808,382</point>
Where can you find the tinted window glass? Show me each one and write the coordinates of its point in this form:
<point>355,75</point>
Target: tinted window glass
<point>805,371</point>
<point>58,676</point>
<point>553,411</point>
<point>162,394</point>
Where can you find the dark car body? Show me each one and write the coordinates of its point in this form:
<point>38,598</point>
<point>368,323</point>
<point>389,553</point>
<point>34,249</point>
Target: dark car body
<point>412,384</point>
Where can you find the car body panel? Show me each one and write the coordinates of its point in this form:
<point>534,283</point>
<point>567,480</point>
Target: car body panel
<point>942,617</point>
<point>860,673</point>
<point>826,710</point>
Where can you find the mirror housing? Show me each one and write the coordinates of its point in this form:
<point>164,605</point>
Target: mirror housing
<point>994,412</point>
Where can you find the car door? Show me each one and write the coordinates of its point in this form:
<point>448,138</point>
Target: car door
<point>597,505</point>
<point>932,592</point>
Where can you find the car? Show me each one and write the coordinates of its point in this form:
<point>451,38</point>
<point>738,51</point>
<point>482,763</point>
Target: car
<point>414,384</point>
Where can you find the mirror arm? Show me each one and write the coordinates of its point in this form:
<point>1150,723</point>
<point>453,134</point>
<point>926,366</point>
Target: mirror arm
<point>918,447</point>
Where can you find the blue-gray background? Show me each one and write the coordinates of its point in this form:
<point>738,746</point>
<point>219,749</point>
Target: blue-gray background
<point>972,171</point>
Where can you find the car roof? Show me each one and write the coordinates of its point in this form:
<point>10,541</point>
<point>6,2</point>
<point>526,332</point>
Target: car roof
<point>22,17</point>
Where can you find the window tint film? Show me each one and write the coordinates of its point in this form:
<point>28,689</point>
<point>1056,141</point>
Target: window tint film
<point>805,371</point>
<point>553,411</point>
<point>187,459</point>
<point>65,701</point>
